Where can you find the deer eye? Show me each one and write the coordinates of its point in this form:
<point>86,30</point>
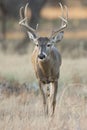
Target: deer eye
<point>37,45</point>
<point>48,45</point>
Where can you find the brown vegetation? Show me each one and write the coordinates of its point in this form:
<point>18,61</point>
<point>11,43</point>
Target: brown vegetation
<point>24,111</point>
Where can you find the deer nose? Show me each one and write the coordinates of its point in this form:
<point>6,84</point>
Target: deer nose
<point>41,56</point>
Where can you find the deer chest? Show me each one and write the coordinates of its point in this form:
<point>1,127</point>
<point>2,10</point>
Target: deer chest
<point>45,73</point>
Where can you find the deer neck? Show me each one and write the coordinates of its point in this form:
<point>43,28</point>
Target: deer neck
<point>44,66</point>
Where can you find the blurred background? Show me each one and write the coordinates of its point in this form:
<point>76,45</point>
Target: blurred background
<point>46,13</point>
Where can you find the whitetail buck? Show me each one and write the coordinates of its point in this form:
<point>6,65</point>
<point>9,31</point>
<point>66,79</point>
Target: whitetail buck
<point>45,58</point>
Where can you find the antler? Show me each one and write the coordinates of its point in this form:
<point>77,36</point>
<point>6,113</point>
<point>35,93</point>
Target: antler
<point>24,20</point>
<point>64,20</point>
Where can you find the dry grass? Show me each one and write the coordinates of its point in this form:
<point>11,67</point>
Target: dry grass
<point>74,71</point>
<point>24,110</point>
<point>16,67</point>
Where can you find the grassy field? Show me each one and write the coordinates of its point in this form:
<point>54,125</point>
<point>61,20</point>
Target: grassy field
<point>21,109</point>
<point>16,67</point>
<point>25,111</point>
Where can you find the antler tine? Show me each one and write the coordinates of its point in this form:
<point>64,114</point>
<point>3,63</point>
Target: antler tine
<point>21,11</point>
<point>62,17</point>
<point>24,19</point>
<point>37,27</point>
<point>62,12</point>
<point>64,20</point>
<point>66,12</point>
<point>25,12</point>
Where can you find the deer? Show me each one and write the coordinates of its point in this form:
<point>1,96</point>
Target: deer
<point>46,58</point>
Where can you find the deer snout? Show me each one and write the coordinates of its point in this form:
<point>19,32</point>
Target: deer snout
<point>41,56</point>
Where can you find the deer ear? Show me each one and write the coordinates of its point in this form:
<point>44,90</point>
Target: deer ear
<point>58,37</point>
<point>32,36</point>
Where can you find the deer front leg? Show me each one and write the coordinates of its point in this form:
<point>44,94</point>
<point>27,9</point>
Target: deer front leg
<point>44,98</point>
<point>52,100</point>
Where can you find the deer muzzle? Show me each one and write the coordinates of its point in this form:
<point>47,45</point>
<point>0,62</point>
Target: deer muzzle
<point>41,56</point>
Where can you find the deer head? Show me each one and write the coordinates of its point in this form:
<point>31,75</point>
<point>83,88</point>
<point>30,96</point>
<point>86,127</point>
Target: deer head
<point>44,44</point>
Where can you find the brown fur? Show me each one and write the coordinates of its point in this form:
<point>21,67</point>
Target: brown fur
<point>47,70</point>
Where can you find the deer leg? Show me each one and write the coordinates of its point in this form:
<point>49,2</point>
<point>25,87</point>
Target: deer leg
<point>44,98</point>
<point>47,96</point>
<point>53,93</point>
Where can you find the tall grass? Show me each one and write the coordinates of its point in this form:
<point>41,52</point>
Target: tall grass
<point>23,110</point>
